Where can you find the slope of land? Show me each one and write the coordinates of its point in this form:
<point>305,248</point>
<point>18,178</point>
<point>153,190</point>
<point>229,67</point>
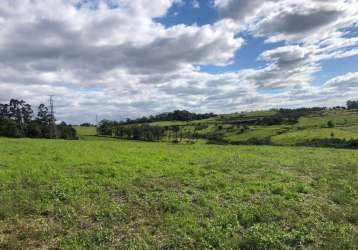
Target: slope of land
<point>310,127</point>
<point>138,195</point>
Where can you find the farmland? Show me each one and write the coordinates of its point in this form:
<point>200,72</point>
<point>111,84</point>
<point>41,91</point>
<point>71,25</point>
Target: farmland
<point>178,125</point>
<point>309,127</point>
<point>119,194</point>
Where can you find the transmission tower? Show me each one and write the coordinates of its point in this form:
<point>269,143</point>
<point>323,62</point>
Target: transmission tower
<point>52,109</point>
<point>52,117</point>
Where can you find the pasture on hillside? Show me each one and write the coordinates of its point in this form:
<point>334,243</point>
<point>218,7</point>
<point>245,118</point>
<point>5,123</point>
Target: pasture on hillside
<point>319,127</point>
<point>102,194</point>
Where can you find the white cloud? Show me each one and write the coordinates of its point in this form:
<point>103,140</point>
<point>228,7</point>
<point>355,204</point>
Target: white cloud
<point>290,20</point>
<point>313,30</point>
<point>52,47</point>
<point>195,4</point>
<point>343,83</point>
<point>238,9</point>
<point>284,54</point>
<point>115,59</point>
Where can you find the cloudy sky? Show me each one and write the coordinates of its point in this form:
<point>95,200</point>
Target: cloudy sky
<point>127,58</point>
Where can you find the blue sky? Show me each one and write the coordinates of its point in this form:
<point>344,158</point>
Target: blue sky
<point>206,13</point>
<point>247,56</point>
<point>335,67</point>
<point>188,14</point>
<point>128,58</point>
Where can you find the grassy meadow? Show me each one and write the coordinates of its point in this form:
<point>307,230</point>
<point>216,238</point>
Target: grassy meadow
<point>114,194</point>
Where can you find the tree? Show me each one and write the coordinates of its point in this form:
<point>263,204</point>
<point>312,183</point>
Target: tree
<point>16,120</point>
<point>42,114</point>
<point>330,124</point>
<point>19,111</point>
<point>105,127</point>
<point>176,130</point>
<point>14,117</point>
<point>33,129</point>
<point>136,133</point>
<point>46,122</point>
<point>10,128</point>
<point>158,132</point>
<point>177,115</point>
<point>352,104</point>
<point>65,131</point>
<point>86,124</point>
<point>27,112</point>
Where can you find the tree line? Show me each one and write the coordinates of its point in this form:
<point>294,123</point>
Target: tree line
<point>352,104</point>
<point>143,132</point>
<point>17,119</point>
<point>132,132</point>
<point>138,129</point>
<point>177,115</point>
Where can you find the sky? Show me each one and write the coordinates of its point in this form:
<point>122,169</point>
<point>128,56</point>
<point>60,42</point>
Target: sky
<point>129,58</point>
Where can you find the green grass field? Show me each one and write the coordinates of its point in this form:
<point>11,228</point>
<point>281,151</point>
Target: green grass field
<point>90,134</point>
<point>86,132</point>
<point>92,194</point>
<point>296,137</point>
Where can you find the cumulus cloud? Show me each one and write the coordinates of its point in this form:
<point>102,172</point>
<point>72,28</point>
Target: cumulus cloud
<point>115,46</point>
<point>113,57</point>
<point>103,39</point>
<point>285,56</point>
<point>292,20</point>
<point>313,30</point>
<point>237,9</point>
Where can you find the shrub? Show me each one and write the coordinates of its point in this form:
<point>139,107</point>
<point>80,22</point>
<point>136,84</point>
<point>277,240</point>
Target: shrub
<point>331,142</point>
<point>330,124</point>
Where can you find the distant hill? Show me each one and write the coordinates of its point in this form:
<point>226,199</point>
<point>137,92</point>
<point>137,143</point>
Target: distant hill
<point>336,127</point>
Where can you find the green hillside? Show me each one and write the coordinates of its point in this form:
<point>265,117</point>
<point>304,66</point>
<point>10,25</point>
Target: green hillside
<point>310,127</point>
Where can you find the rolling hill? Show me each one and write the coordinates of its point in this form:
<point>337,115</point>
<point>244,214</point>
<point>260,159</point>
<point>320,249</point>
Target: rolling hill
<point>300,127</point>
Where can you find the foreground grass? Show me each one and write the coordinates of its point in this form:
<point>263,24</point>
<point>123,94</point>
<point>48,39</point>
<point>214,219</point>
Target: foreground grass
<point>132,195</point>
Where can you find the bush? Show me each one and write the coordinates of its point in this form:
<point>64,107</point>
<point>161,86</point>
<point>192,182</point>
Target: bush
<point>216,138</point>
<point>330,124</point>
<point>254,141</point>
<point>34,130</point>
<point>65,131</point>
<point>86,124</point>
<point>331,143</point>
<point>10,128</point>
